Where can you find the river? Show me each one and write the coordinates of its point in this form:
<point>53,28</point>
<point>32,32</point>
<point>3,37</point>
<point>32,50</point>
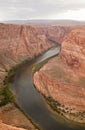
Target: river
<point>33,103</point>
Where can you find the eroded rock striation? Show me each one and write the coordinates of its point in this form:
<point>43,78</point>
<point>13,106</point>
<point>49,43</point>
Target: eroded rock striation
<point>57,33</point>
<point>17,43</point>
<point>62,79</point>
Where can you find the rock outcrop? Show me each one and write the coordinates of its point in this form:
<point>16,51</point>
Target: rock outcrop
<point>8,127</point>
<point>12,116</point>
<point>17,43</point>
<point>62,79</point>
<point>58,33</point>
<point>73,49</point>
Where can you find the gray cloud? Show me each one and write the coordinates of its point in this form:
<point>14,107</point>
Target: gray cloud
<point>26,9</point>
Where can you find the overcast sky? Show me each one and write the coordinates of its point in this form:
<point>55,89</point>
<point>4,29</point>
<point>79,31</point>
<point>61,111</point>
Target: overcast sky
<point>42,9</point>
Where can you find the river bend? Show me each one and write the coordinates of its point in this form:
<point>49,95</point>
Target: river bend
<point>32,102</point>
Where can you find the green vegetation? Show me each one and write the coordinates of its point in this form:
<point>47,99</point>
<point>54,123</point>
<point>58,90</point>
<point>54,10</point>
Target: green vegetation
<point>6,95</point>
<point>62,110</point>
<point>5,92</point>
<point>53,104</point>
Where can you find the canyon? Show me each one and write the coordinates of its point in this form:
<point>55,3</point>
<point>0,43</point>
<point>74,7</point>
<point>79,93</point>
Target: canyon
<point>17,44</point>
<point>62,79</point>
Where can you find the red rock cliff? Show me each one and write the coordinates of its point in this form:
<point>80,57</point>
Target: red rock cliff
<point>73,49</point>
<point>57,33</point>
<point>17,43</point>
<point>63,77</point>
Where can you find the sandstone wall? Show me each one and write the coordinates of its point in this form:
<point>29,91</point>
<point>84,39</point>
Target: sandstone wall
<point>73,49</point>
<point>17,43</point>
<point>63,77</point>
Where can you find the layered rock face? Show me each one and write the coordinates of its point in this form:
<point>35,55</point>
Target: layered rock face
<point>57,33</point>
<point>17,43</point>
<point>62,79</point>
<point>73,49</point>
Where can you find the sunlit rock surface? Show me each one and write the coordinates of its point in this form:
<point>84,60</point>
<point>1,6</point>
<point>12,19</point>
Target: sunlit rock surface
<point>17,43</point>
<point>63,77</point>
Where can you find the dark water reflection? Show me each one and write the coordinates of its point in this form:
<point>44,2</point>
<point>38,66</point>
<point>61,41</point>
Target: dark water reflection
<point>32,101</point>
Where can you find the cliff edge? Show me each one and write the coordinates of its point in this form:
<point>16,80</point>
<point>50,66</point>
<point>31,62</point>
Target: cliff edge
<point>62,79</point>
<point>18,43</point>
